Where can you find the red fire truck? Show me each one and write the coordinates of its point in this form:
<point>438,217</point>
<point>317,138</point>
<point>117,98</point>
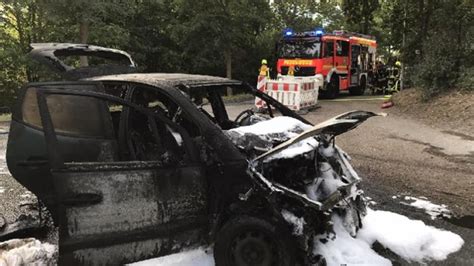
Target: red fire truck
<point>345,60</point>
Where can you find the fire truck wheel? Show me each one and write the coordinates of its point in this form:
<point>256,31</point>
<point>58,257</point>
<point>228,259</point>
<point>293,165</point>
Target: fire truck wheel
<point>332,88</point>
<point>359,90</point>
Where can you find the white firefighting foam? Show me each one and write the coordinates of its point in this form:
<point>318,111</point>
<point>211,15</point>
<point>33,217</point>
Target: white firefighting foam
<point>192,257</point>
<point>433,210</point>
<point>412,240</point>
<point>285,127</point>
<point>28,251</point>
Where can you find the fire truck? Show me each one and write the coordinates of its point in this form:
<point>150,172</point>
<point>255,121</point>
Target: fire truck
<point>344,60</point>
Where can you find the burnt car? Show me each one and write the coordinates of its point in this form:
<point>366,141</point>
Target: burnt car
<point>135,166</point>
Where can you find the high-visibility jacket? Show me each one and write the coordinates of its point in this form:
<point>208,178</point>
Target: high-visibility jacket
<point>264,71</point>
<point>291,71</point>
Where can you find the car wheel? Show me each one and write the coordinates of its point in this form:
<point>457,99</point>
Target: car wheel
<point>332,88</point>
<point>251,241</point>
<point>359,90</point>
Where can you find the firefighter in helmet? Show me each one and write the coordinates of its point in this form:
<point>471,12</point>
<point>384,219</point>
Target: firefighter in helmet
<point>291,70</point>
<point>398,64</point>
<point>264,69</point>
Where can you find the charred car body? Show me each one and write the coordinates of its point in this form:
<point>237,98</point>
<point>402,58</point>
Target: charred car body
<point>134,166</point>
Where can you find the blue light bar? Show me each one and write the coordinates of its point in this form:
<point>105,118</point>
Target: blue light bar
<point>288,32</point>
<point>319,31</point>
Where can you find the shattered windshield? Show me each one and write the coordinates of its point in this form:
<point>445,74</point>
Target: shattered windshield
<point>299,49</point>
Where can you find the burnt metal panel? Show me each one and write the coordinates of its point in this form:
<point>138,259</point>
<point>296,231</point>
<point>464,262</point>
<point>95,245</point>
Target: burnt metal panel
<point>134,213</point>
<point>50,53</point>
<point>170,80</point>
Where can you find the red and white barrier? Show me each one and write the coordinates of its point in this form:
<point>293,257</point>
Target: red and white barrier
<point>261,86</point>
<point>295,94</point>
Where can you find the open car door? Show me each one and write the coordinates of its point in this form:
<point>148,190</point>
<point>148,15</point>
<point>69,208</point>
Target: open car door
<point>112,209</point>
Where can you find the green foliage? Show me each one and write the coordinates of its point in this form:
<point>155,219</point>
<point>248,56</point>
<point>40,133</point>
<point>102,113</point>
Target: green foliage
<point>359,14</point>
<point>446,61</point>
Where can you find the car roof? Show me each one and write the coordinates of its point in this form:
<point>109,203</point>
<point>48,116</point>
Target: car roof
<point>169,79</point>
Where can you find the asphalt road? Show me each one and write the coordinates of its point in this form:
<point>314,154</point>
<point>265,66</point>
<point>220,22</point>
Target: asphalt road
<point>396,155</point>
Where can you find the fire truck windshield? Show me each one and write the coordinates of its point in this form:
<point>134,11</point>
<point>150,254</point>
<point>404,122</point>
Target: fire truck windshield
<point>299,49</point>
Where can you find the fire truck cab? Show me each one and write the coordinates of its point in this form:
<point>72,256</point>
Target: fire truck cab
<point>345,60</point>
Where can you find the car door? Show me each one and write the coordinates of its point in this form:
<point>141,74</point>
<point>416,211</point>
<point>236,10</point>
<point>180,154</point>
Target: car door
<point>355,68</point>
<point>328,57</point>
<point>27,154</point>
<point>342,55</point>
<point>115,209</point>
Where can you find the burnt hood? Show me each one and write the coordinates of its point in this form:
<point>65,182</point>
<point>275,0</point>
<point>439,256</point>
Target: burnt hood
<point>332,127</point>
<point>55,56</point>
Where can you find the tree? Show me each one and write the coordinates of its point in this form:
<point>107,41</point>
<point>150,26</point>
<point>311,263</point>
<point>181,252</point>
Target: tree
<point>360,14</point>
<point>151,28</point>
<point>21,22</point>
<point>446,61</point>
<point>216,34</point>
<point>84,14</point>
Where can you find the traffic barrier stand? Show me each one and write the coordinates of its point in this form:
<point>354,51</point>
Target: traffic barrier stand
<point>261,86</point>
<point>296,94</point>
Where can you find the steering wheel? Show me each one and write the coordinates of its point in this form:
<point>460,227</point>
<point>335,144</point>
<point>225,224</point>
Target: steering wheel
<point>244,115</point>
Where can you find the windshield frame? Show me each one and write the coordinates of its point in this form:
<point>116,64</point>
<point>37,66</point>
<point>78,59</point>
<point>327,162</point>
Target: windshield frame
<point>301,42</point>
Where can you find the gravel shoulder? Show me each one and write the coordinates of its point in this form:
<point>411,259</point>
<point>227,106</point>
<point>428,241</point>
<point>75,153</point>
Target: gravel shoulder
<point>452,111</point>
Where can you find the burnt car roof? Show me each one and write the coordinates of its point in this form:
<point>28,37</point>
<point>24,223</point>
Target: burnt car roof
<point>50,53</point>
<point>170,79</point>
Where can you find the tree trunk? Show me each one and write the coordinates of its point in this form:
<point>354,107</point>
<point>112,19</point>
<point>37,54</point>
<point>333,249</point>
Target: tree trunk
<point>83,35</point>
<point>366,13</point>
<point>228,67</point>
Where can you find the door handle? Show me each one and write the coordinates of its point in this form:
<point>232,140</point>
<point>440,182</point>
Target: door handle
<point>82,199</point>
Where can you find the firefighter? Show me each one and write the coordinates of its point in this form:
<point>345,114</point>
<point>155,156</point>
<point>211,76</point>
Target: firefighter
<point>291,70</point>
<point>264,70</point>
<point>398,64</point>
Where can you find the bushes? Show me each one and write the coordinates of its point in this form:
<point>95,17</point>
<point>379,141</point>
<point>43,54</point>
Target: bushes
<point>446,61</point>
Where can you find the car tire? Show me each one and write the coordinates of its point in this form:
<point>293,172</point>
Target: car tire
<point>332,88</point>
<point>251,241</point>
<point>359,90</point>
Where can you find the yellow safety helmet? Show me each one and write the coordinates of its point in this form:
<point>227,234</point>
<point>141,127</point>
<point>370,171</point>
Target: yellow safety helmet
<point>264,61</point>
<point>398,64</point>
